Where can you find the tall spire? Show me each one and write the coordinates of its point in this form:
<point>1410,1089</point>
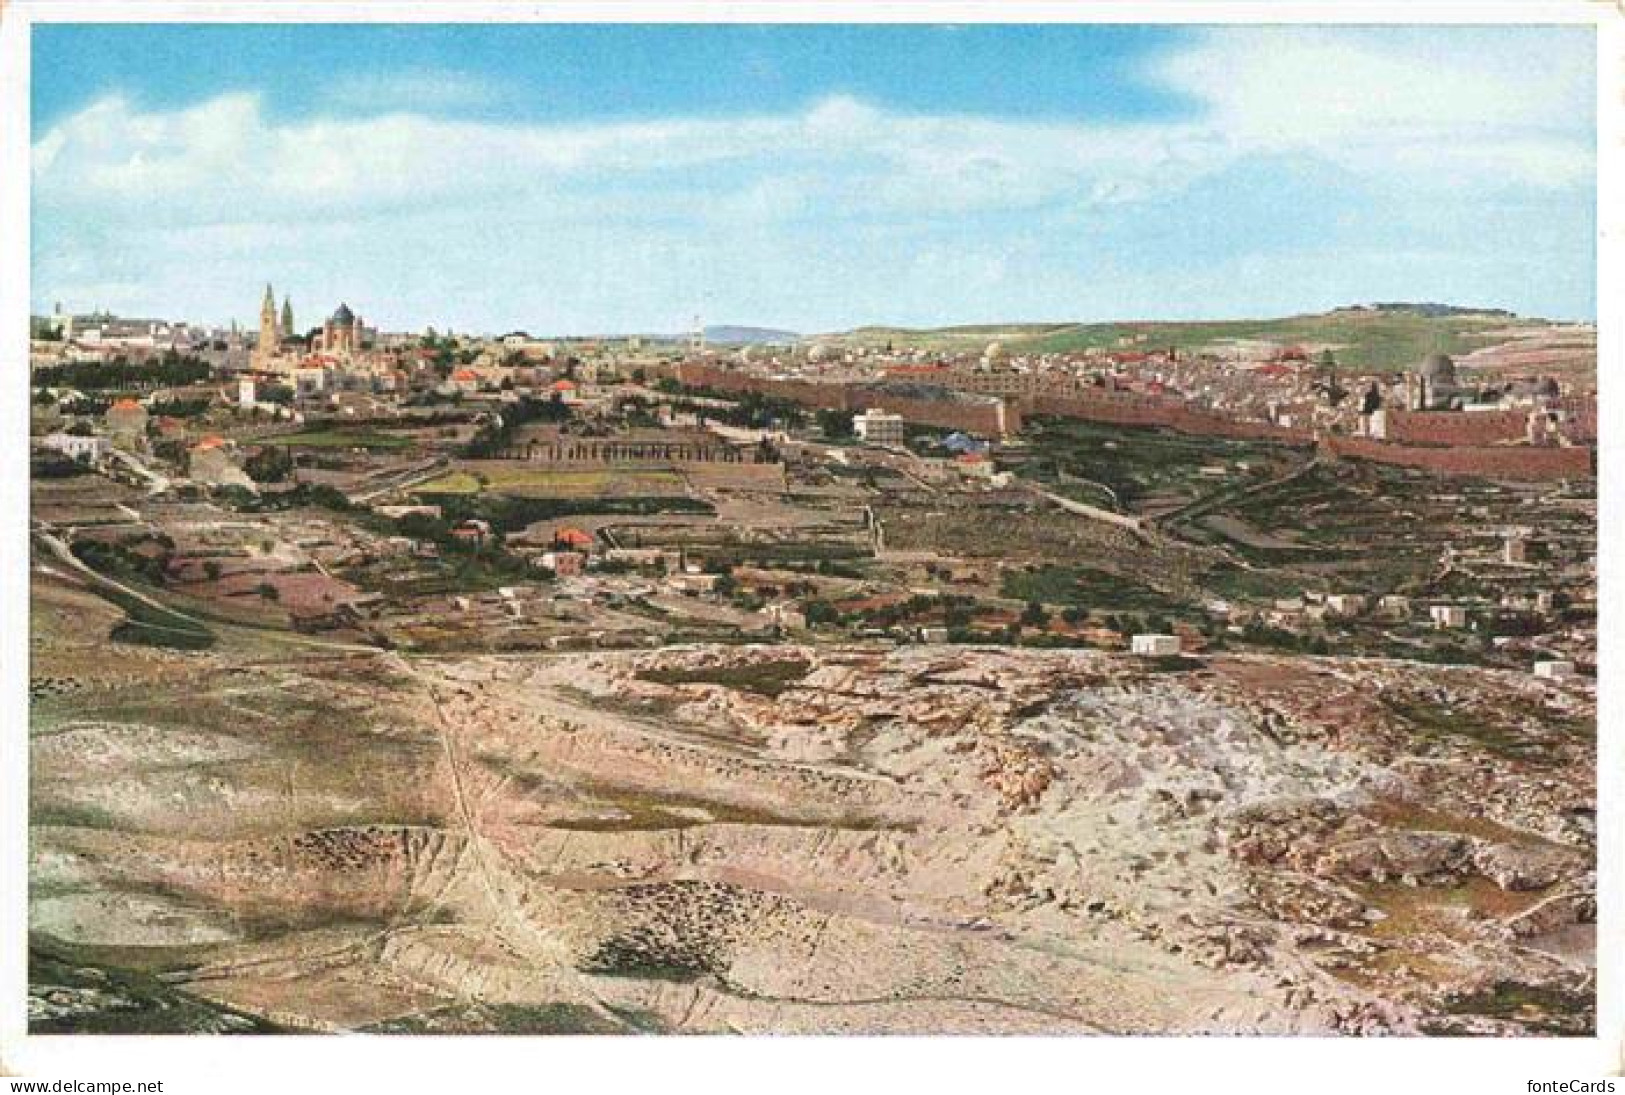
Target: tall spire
<point>270,336</point>
<point>287,315</point>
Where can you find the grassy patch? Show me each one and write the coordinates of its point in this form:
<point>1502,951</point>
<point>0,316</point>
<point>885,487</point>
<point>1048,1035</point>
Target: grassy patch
<point>457,482</point>
<point>545,482</point>
<point>1437,720</point>
<point>358,438</point>
<point>1539,1009</point>
<point>146,625</point>
<point>1087,587</point>
<point>770,679</point>
<point>1147,468</point>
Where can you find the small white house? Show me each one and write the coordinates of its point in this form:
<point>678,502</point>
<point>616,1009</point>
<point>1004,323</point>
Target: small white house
<point>1345,604</point>
<point>1396,604</point>
<point>1158,646</point>
<point>1554,670</point>
<point>1447,616</point>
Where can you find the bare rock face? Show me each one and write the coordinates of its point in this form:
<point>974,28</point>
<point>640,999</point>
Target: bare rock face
<point>803,839</point>
<point>1283,832</point>
<point>1302,899</point>
<point>1017,773</point>
<point>1524,867</point>
<point>1413,858</point>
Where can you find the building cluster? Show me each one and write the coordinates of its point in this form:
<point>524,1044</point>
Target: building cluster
<point>1260,390</point>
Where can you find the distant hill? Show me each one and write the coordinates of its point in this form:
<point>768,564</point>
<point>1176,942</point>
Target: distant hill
<point>1389,335</point>
<point>747,336</point>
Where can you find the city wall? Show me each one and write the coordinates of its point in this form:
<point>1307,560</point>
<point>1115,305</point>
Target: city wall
<point>990,419</point>
<point>1123,409</point>
<point>1517,462</point>
<point>983,417</point>
<point>1445,443</point>
<point>1457,427</point>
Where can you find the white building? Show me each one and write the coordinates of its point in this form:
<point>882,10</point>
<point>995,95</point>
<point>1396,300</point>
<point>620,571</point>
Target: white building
<point>1345,604</point>
<point>1155,645</point>
<point>1447,616</point>
<point>76,447</point>
<point>1554,670</point>
<point>878,428</point>
<point>309,382</point>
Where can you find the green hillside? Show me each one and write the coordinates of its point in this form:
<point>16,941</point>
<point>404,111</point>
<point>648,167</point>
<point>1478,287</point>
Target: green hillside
<point>1362,338</point>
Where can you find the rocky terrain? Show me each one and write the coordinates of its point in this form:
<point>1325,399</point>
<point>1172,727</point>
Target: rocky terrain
<point>803,839</point>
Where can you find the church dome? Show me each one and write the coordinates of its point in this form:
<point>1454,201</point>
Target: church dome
<point>344,315</point>
<point>1439,369</point>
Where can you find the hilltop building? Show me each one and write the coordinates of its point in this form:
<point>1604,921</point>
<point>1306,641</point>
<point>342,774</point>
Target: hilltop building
<point>1433,387</point>
<point>342,332</point>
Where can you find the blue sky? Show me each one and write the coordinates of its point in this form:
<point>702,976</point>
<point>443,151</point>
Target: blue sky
<point>616,178</point>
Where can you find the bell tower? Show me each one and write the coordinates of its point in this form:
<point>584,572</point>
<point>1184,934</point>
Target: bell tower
<point>269,335</point>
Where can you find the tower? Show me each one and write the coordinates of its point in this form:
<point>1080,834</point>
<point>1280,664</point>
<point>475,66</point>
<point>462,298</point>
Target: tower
<point>266,348</point>
<point>287,316</point>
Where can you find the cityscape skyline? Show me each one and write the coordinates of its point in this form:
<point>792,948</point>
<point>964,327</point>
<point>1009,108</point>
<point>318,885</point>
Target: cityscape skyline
<point>1119,557</point>
<point>623,179</point>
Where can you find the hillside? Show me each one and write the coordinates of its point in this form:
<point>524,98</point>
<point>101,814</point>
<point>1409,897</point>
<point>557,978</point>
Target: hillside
<point>1389,336</point>
<point>734,335</point>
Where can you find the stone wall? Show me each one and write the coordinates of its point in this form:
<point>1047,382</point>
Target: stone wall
<point>983,416</point>
<point>1516,462</point>
<point>1127,409</point>
<point>1457,427</point>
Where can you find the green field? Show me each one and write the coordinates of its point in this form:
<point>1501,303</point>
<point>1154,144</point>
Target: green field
<point>1143,466</point>
<point>555,482</point>
<point>1086,587</point>
<point>343,438</point>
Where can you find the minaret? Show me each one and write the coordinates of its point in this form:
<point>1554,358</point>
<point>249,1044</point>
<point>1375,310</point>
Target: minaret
<point>287,316</point>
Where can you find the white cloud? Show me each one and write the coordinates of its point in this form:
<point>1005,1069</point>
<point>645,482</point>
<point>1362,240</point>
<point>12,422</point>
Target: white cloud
<point>1430,104</point>
<point>1395,104</point>
<point>1430,115</point>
